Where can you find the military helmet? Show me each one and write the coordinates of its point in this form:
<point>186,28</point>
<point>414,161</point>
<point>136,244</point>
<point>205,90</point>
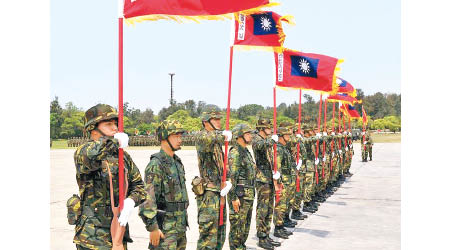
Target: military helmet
<point>287,125</point>
<point>167,128</point>
<point>263,123</point>
<point>98,113</point>
<point>240,129</point>
<point>283,131</point>
<point>213,114</point>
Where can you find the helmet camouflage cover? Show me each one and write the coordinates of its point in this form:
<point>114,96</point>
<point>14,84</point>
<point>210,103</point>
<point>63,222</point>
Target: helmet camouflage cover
<point>263,123</point>
<point>167,128</point>
<point>287,125</point>
<point>283,131</point>
<point>98,113</point>
<point>240,129</point>
<point>212,114</point>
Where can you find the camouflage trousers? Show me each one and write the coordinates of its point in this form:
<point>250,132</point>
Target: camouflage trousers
<point>334,169</point>
<point>264,208</point>
<point>299,195</point>
<point>282,206</point>
<point>212,236</point>
<point>325,174</point>
<point>100,248</point>
<point>240,224</point>
<point>308,186</point>
<point>172,241</point>
<point>367,151</point>
<point>291,193</point>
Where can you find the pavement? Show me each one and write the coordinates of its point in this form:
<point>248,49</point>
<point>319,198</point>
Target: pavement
<point>363,214</point>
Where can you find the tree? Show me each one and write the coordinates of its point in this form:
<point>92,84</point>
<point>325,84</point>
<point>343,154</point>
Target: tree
<point>147,116</point>
<point>249,110</point>
<point>73,125</point>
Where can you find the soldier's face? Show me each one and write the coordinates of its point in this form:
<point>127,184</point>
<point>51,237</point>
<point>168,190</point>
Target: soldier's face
<point>109,128</point>
<point>216,123</point>
<point>248,137</point>
<point>286,138</point>
<point>268,131</point>
<point>175,140</point>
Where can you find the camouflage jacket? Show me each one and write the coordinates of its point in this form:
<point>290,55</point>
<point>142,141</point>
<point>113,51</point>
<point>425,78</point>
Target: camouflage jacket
<point>210,157</point>
<point>368,139</point>
<point>242,173</point>
<point>285,163</point>
<point>263,152</point>
<point>165,183</point>
<point>91,159</point>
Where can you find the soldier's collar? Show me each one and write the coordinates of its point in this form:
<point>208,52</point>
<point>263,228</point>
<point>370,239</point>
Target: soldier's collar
<point>175,157</point>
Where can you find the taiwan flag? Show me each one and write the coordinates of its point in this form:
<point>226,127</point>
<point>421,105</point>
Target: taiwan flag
<point>345,87</point>
<point>261,30</point>
<point>306,71</point>
<point>364,116</point>
<point>350,111</point>
<point>343,98</point>
<point>139,10</point>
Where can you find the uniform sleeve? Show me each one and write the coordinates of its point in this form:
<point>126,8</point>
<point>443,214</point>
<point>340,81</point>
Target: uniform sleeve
<point>136,187</point>
<point>153,184</point>
<point>88,157</point>
<point>208,139</point>
<point>233,167</point>
<point>262,144</point>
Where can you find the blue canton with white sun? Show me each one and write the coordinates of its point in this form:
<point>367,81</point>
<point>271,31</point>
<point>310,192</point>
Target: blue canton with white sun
<point>304,66</point>
<point>264,24</point>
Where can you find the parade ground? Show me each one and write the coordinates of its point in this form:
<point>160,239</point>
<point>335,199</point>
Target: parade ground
<point>363,214</point>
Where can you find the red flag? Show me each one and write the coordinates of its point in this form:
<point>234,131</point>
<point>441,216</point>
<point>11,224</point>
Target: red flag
<point>346,87</point>
<point>343,98</point>
<point>139,10</point>
<point>364,116</point>
<point>300,70</point>
<point>262,30</point>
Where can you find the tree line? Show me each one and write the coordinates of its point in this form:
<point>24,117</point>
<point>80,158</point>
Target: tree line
<point>383,110</point>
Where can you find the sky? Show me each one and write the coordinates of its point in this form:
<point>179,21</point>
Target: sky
<point>84,54</point>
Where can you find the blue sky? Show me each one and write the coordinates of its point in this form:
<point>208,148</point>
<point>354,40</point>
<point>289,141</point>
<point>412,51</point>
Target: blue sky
<point>84,40</point>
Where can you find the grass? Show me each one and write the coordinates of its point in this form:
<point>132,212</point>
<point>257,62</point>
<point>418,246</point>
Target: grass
<point>386,138</point>
<point>60,144</point>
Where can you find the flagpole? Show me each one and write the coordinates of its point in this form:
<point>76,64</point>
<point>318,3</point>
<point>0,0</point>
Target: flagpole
<point>227,127</point>
<point>364,128</point>
<point>317,144</point>
<point>324,130</point>
<point>121,171</point>
<point>332,142</point>
<point>277,195</point>
<point>298,132</point>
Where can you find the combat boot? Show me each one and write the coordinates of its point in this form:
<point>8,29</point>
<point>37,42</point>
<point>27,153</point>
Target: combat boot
<point>273,242</point>
<point>307,208</point>
<point>279,232</point>
<point>296,215</point>
<point>287,232</point>
<point>288,224</point>
<point>263,243</point>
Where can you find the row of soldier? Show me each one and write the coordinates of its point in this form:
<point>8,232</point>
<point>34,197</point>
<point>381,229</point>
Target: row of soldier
<point>310,167</point>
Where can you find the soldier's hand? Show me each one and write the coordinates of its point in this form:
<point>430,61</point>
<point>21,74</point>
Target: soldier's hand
<point>236,205</point>
<point>155,236</point>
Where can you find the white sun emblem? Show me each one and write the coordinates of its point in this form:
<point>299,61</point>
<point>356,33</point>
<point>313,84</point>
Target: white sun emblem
<point>304,66</point>
<point>265,23</point>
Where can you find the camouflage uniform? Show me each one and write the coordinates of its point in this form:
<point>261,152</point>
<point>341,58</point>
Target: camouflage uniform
<point>263,152</point>
<point>167,202</point>
<point>92,230</point>
<point>210,164</point>
<point>299,196</point>
<point>366,149</point>
<point>310,180</point>
<point>242,177</point>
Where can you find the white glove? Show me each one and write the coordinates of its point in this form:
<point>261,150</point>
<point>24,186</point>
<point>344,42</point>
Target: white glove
<point>122,138</point>
<point>299,136</point>
<point>345,132</point>
<point>128,205</point>
<point>276,176</point>
<point>226,189</point>
<point>332,154</point>
<point>318,135</point>
<point>332,133</point>
<point>316,161</point>
<point>275,138</point>
<point>325,134</point>
<point>365,142</point>
<point>340,151</point>
<point>363,133</point>
<point>324,158</point>
<point>349,133</point>
<point>299,165</point>
<point>227,134</point>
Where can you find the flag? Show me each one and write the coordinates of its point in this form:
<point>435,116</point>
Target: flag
<point>346,87</point>
<point>364,117</point>
<point>300,70</point>
<point>350,111</point>
<point>343,98</point>
<point>179,10</point>
<point>262,30</point>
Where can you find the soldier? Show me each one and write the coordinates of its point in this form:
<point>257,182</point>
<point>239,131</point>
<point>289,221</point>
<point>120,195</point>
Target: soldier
<point>284,163</point>
<point>165,211</point>
<point>366,146</point>
<point>241,196</point>
<point>301,171</point>
<point>310,182</point>
<point>210,163</point>
<point>96,163</point>
<point>262,146</point>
